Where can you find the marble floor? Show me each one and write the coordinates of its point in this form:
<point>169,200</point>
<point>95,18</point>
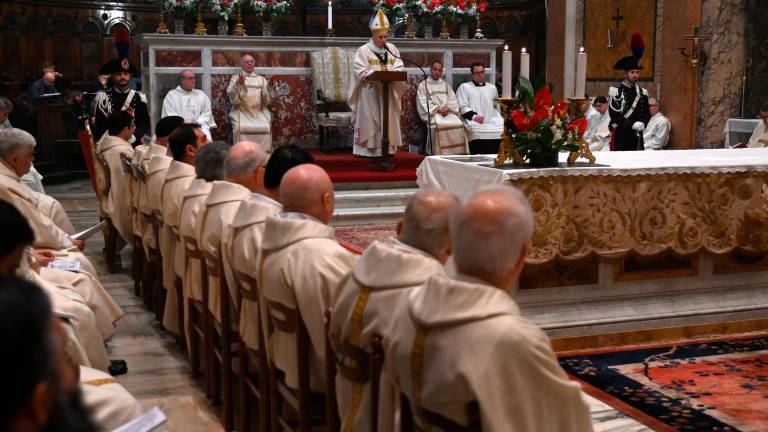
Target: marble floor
<point>158,370</point>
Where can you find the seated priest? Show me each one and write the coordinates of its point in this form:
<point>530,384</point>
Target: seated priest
<point>365,97</point>
<point>482,119</point>
<point>249,95</point>
<point>759,137</point>
<point>656,134</point>
<point>33,179</point>
<point>378,285</point>
<point>120,128</point>
<point>600,140</point>
<point>301,266</point>
<point>438,107</point>
<point>248,229</point>
<point>595,116</point>
<point>190,103</point>
<point>473,344</point>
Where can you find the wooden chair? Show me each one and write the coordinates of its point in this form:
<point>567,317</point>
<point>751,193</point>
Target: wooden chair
<point>308,407</point>
<point>137,257</point>
<point>331,72</point>
<point>110,232</point>
<point>198,319</point>
<point>254,371</point>
<point>435,421</point>
<point>156,259</point>
<point>178,283</point>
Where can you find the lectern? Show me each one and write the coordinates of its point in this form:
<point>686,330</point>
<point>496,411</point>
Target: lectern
<point>386,77</point>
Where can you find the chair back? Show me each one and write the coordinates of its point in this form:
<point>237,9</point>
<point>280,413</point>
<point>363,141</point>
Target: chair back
<point>435,421</point>
<point>331,73</point>
<point>288,320</point>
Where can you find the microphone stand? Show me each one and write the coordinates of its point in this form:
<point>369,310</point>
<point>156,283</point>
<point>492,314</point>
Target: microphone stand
<point>429,114</point>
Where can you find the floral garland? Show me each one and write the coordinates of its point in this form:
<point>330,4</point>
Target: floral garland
<point>225,8</point>
<point>189,6</point>
<point>270,8</point>
<point>393,9</point>
<point>464,9</point>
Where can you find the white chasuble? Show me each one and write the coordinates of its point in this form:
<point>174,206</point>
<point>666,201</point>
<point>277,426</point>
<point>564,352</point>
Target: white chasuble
<point>194,106</point>
<point>250,116</point>
<point>759,137</point>
<point>447,131</point>
<point>656,134</point>
<point>379,284</point>
<point>480,99</point>
<point>366,100</point>
<point>300,267</point>
<point>110,147</point>
<point>108,402</point>
<point>601,139</point>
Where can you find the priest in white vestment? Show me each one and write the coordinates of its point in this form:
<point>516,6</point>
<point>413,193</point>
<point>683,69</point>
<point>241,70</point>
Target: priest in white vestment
<point>250,97</point>
<point>33,178</point>
<point>656,134</point>
<point>366,98</point>
<point>379,284</point>
<point>115,142</point>
<point>438,107</point>
<point>462,340</point>
<point>482,118</point>
<point>601,140</point>
<point>301,266</point>
<point>759,137</point>
<point>190,103</point>
<point>595,116</point>
<point>108,402</point>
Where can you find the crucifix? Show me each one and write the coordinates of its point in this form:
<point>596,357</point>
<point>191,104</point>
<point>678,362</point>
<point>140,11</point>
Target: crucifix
<point>618,17</point>
<point>695,38</point>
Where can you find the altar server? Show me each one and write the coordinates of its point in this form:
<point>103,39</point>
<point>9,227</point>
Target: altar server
<point>190,103</point>
<point>301,266</point>
<point>438,107</point>
<point>482,119</point>
<point>378,286</point>
<point>656,134</point>
<point>250,98</point>
<point>366,98</point>
<point>461,340</point>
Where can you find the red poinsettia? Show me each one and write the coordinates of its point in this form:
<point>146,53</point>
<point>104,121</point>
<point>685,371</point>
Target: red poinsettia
<point>542,98</point>
<point>578,126</point>
<point>482,6</point>
<point>560,110</point>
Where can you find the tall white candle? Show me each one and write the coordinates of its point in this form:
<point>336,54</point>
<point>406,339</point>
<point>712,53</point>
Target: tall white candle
<point>330,15</point>
<point>581,74</point>
<point>525,64</point>
<point>506,73</point>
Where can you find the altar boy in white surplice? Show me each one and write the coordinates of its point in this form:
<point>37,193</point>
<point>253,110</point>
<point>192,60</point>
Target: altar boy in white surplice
<point>461,340</point>
<point>366,99</point>
<point>301,265</point>
<point>438,107</point>
<point>379,284</point>
<point>249,95</point>
<point>477,102</point>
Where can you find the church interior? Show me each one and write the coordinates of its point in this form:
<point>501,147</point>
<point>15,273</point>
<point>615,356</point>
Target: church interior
<point>252,215</point>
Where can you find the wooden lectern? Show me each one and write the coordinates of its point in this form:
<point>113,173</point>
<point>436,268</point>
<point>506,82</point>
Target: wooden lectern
<point>386,77</point>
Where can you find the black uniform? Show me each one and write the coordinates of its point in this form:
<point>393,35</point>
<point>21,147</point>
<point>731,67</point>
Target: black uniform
<point>627,105</point>
<point>113,100</point>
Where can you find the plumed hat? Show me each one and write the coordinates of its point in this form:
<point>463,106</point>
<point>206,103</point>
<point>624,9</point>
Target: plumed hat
<point>121,63</point>
<point>628,63</point>
<point>379,22</point>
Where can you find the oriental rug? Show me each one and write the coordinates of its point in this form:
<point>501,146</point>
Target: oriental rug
<point>713,385</point>
<point>357,238</point>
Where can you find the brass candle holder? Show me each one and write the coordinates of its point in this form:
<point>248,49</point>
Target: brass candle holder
<point>577,108</point>
<point>507,148</point>
<point>410,31</point>
<point>330,33</point>
<point>162,28</point>
<point>239,27</point>
<point>200,25</point>
<point>445,31</point>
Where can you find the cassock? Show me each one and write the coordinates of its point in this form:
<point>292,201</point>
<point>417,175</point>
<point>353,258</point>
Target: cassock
<point>178,177</point>
<point>479,99</point>
<point>250,116</point>
<point>113,100</point>
<point>300,267</point>
<point>378,285</point>
<point>656,134</point>
<point>110,147</point>
<point>194,106</point>
<point>594,118</point>
<point>450,137</point>
<point>366,99</point>
<point>759,137</point>
<point>628,106</point>
<point>477,347</point>
<point>601,140</point>
<point>246,238</point>
<point>108,402</point>
<point>213,232</point>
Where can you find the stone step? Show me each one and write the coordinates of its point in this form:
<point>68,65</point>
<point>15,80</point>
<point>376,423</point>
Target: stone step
<point>367,215</point>
<point>374,198</point>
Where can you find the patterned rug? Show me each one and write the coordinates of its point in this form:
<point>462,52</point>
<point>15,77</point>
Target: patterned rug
<point>719,385</point>
<point>357,238</point>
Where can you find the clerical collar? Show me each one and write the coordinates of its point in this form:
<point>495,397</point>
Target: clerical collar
<point>181,89</point>
<point>478,84</point>
<point>375,48</point>
<point>438,81</point>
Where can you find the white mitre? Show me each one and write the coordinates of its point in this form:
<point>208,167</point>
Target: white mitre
<point>379,22</point>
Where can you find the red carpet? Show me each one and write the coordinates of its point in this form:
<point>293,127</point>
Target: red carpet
<point>715,385</point>
<point>357,238</point>
<point>343,167</point>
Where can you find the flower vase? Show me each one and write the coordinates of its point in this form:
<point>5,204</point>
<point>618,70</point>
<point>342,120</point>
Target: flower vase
<point>445,30</point>
<point>543,160</point>
<point>178,22</point>
<point>464,31</point>
<point>223,26</point>
<point>428,23</point>
<point>266,26</point>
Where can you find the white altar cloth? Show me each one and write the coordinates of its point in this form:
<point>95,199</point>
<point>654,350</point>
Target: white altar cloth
<point>463,175</point>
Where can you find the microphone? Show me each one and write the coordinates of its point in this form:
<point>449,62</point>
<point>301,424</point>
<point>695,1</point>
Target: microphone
<point>429,115</point>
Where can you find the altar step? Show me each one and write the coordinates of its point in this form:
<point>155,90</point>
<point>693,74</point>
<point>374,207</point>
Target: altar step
<point>372,206</point>
<point>344,167</point>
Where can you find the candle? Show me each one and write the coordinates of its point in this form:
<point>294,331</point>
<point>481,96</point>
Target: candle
<point>506,73</point>
<point>525,64</point>
<point>581,74</point>
<point>330,15</point>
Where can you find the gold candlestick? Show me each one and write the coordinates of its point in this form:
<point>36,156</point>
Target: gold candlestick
<point>445,31</point>
<point>162,28</point>
<point>507,148</point>
<point>410,32</point>
<point>239,27</point>
<point>577,108</point>
<point>200,25</point>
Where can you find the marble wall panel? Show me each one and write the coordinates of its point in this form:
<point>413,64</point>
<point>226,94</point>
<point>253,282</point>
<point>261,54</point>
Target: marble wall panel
<point>424,59</point>
<point>465,60</point>
<point>721,69</point>
<point>220,106</point>
<point>178,58</point>
<point>263,59</point>
<point>411,127</point>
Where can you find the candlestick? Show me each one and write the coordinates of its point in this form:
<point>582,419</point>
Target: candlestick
<point>330,15</point>
<point>506,73</point>
<point>525,64</point>
<point>581,74</point>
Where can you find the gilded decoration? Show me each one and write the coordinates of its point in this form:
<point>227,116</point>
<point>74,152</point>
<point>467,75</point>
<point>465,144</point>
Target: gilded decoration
<point>611,216</point>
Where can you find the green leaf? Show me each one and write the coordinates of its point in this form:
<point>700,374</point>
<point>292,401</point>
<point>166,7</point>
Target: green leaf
<point>525,91</point>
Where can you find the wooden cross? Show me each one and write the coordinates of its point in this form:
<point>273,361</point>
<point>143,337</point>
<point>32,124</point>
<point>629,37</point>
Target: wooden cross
<point>618,17</point>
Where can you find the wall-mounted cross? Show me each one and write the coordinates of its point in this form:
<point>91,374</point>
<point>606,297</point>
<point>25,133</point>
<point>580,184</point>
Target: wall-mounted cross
<point>695,38</point>
<point>618,17</point>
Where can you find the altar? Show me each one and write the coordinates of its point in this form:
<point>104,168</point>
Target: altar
<point>639,240</point>
<point>285,61</point>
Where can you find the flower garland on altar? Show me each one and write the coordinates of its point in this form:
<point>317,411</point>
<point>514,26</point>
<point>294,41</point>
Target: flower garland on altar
<point>462,9</point>
<point>225,8</point>
<point>180,6</point>
<point>270,8</point>
<point>393,9</point>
